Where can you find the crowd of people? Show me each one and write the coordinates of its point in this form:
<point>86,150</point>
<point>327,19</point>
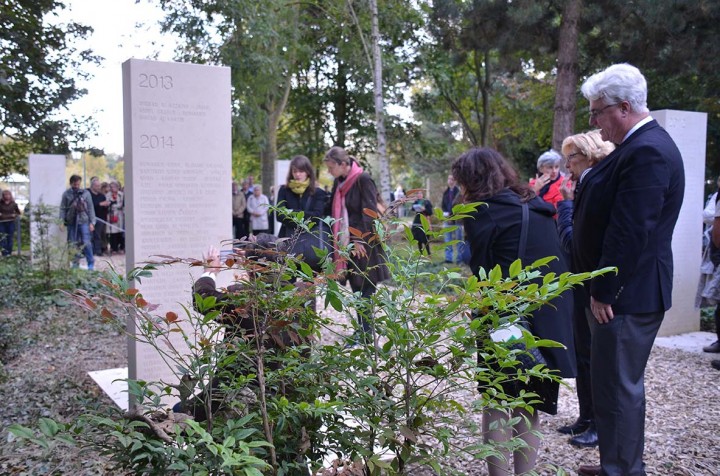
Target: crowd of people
<point>616,208</point>
<point>94,219</point>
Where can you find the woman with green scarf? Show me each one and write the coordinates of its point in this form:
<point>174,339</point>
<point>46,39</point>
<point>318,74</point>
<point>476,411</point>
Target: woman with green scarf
<point>300,194</point>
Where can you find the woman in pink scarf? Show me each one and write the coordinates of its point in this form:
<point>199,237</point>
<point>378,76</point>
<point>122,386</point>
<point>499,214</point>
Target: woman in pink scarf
<point>353,191</point>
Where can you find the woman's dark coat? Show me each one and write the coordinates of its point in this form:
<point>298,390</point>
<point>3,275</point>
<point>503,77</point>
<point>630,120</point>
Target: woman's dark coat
<point>362,195</point>
<point>493,234</point>
<point>313,204</point>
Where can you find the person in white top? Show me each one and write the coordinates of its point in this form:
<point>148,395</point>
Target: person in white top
<point>257,205</point>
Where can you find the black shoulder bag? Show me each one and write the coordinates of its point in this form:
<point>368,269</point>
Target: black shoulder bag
<point>529,357</point>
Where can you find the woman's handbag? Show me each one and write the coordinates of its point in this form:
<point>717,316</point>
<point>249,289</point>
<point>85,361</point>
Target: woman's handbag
<point>511,336</point>
<point>306,242</point>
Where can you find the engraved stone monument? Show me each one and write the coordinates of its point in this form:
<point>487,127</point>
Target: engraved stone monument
<point>177,183</point>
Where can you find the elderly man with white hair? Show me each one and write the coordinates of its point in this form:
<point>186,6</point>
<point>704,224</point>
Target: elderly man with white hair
<point>625,214</point>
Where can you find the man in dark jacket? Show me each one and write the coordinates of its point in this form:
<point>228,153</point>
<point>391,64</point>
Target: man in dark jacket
<point>625,214</point>
<point>100,205</point>
<point>78,215</point>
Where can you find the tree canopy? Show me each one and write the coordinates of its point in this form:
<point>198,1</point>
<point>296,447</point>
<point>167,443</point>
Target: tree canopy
<point>39,69</point>
<point>496,73</point>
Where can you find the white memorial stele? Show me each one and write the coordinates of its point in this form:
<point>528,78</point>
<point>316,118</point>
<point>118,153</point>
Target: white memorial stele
<point>177,120</point>
<point>47,184</point>
<point>689,131</point>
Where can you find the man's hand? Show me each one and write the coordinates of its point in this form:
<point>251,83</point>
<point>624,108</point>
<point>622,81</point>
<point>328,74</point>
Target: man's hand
<point>91,227</point>
<point>567,189</point>
<point>603,312</point>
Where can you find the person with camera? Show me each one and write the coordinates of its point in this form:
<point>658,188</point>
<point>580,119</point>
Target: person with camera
<point>78,215</point>
<point>421,206</point>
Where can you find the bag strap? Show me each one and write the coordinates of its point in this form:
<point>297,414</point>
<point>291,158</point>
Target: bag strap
<point>523,231</point>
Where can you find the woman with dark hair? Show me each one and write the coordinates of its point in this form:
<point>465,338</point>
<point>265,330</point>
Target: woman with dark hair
<point>493,233</point>
<point>300,194</point>
<point>353,191</point>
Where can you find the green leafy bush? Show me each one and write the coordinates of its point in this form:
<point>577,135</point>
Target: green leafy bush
<point>386,404</point>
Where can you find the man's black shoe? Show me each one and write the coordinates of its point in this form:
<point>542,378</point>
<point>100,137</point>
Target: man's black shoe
<point>580,426</point>
<point>589,470</point>
<point>587,439</point>
<point>715,364</point>
<point>713,348</point>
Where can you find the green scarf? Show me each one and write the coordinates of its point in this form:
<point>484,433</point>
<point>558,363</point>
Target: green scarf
<point>299,187</point>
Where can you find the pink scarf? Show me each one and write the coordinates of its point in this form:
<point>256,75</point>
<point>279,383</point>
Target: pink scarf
<point>339,212</point>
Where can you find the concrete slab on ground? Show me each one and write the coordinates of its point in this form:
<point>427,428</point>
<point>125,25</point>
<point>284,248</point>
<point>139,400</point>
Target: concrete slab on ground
<point>690,342</point>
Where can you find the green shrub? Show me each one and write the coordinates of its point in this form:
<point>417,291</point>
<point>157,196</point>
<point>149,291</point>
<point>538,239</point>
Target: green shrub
<point>707,319</point>
<point>386,404</point>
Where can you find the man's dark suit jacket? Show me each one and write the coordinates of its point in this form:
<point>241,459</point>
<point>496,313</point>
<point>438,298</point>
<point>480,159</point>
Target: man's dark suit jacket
<point>625,213</point>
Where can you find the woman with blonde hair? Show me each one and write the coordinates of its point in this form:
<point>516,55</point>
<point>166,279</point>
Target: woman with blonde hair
<point>581,152</point>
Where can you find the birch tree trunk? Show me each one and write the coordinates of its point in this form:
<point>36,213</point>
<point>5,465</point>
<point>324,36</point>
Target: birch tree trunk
<point>379,105</point>
<point>268,152</point>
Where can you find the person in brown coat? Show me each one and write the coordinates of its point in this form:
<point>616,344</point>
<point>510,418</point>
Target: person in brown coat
<point>354,191</point>
<point>9,211</point>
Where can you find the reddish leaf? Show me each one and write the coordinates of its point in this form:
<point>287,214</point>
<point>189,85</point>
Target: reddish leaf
<point>90,303</point>
<point>371,213</point>
<point>171,317</point>
<point>355,232</point>
<point>229,262</point>
<point>140,302</point>
<point>105,313</point>
<point>132,291</point>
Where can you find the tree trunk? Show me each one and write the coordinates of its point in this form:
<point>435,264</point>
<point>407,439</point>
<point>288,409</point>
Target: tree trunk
<point>487,84</point>
<point>341,98</point>
<point>268,153</point>
<point>567,75</point>
<point>379,105</point>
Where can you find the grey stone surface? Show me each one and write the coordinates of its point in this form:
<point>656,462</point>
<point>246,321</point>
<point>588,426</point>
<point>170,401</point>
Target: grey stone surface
<point>47,184</point>
<point>177,183</point>
<point>688,130</point>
